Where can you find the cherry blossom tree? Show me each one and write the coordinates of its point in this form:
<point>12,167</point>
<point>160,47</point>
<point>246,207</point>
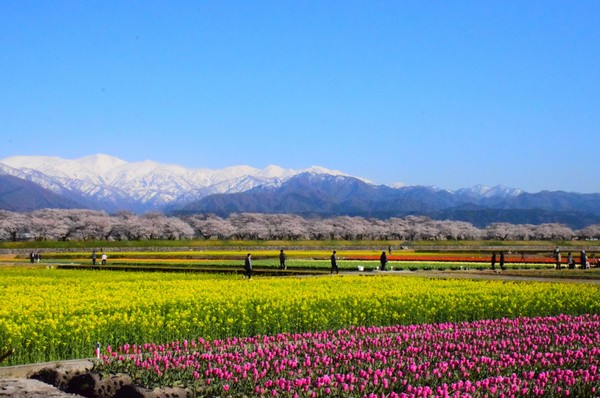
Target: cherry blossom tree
<point>211,226</point>
<point>78,224</point>
<point>249,226</point>
<point>50,224</point>
<point>286,227</point>
<point>553,232</point>
<point>13,224</point>
<point>590,232</point>
<point>320,229</point>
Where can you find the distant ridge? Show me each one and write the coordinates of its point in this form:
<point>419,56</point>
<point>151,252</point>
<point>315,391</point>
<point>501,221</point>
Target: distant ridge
<point>107,183</point>
<point>322,195</point>
<point>20,195</point>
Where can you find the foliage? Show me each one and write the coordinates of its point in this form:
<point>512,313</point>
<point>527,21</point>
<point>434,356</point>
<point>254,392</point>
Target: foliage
<point>89,225</point>
<point>551,357</point>
<point>58,314</point>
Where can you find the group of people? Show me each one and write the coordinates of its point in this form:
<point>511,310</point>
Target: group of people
<point>248,264</point>
<point>103,257</point>
<point>283,265</point>
<point>35,257</point>
<point>571,264</point>
<point>500,261</point>
<point>583,260</point>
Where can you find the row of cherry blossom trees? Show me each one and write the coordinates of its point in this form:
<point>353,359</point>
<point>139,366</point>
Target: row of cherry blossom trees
<point>67,225</point>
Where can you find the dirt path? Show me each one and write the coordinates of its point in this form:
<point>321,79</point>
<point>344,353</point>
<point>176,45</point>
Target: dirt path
<point>537,275</point>
<point>509,275</point>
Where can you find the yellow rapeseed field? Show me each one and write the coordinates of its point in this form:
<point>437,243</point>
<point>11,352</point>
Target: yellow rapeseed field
<point>49,314</point>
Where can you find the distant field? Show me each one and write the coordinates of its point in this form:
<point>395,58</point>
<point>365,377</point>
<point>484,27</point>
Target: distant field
<point>469,245</point>
<point>228,255</point>
<point>56,314</point>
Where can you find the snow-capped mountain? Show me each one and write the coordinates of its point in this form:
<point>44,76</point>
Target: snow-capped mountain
<point>480,191</point>
<point>322,195</point>
<point>109,182</point>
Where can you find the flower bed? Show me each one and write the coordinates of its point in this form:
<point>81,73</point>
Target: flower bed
<point>551,357</point>
<point>59,314</point>
<point>517,259</point>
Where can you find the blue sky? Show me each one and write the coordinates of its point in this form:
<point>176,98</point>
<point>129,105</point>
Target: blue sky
<point>451,94</point>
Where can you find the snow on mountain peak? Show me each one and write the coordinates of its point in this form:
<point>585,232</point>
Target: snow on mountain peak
<point>102,176</point>
<point>30,162</point>
<point>323,170</point>
<point>89,166</point>
<point>100,163</point>
<point>149,185</point>
<point>273,171</point>
<point>485,191</point>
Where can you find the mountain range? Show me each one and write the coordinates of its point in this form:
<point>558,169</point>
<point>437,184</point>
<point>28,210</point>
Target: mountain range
<point>107,183</point>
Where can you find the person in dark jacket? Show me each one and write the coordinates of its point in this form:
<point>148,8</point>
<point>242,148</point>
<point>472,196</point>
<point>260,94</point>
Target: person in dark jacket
<point>248,266</point>
<point>383,260</point>
<point>334,266</point>
<point>502,260</point>
<point>583,259</point>
<point>570,261</point>
<point>493,261</point>
<point>282,260</point>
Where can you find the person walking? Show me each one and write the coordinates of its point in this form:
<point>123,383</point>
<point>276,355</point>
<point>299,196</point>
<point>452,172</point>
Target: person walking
<point>248,266</point>
<point>282,260</point>
<point>570,262</point>
<point>583,259</point>
<point>94,257</point>
<point>493,261</point>
<point>334,266</point>
<point>502,261</point>
<point>557,257</point>
<point>383,260</point>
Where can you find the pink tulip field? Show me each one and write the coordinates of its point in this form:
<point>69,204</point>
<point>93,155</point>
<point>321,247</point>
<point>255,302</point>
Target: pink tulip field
<point>557,356</point>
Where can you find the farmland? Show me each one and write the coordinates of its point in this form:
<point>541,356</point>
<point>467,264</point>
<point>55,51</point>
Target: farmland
<point>495,358</point>
<point>60,314</point>
<point>56,314</point>
<point>225,256</point>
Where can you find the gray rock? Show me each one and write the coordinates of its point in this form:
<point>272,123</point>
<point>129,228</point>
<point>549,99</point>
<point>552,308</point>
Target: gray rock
<point>28,388</point>
<point>94,385</point>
